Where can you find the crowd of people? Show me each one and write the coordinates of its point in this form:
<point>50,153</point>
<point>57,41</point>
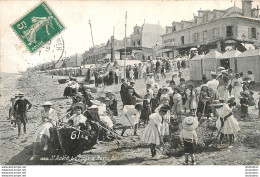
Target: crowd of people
<point>176,103</point>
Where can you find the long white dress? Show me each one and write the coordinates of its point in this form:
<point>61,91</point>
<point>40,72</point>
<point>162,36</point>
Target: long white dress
<point>152,132</point>
<point>237,88</point>
<point>166,121</point>
<point>47,120</point>
<point>230,125</point>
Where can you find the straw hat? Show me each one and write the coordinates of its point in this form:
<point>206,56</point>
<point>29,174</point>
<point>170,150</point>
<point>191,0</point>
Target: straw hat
<point>212,73</point>
<point>177,88</point>
<point>224,72</point>
<point>216,103</point>
<point>47,103</point>
<point>244,93</point>
<point>190,123</point>
<point>165,88</point>
<point>190,85</point>
<point>93,107</point>
<point>204,85</point>
<point>164,108</point>
<point>21,94</point>
<point>221,68</point>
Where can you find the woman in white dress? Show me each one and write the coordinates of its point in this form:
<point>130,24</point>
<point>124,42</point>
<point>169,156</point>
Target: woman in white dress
<point>226,123</point>
<point>152,134</point>
<point>48,119</point>
<point>237,87</point>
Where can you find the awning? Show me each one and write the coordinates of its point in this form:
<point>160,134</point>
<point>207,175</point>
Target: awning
<point>249,46</point>
<point>108,56</point>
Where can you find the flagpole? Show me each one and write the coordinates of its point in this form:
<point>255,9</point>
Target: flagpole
<point>92,42</point>
<point>113,57</point>
<point>125,46</point>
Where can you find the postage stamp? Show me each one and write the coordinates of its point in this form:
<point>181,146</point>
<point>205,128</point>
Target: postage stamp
<point>37,27</point>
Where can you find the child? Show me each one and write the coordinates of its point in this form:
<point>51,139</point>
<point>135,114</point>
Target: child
<point>177,102</point>
<point>188,137</point>
<point>153,133</point>
<point>192,99</point>
<point>244,104</point>
<point>113,104</point>
<point>251,99</point>
<point>154,102</point>
<point>226,123</point>
<point>146,112</point>
<point>232,102</point>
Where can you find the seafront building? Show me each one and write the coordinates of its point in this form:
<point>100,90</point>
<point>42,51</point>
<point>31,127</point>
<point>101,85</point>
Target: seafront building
<point>217,29</point>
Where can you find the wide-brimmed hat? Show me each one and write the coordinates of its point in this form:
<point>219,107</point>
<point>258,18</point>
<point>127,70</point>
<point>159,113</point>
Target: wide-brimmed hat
<point>165,88</point>
<point>190,123</point>
<point>178,88</point>
<point>93,107</point>
<point>132,81</point>
<point>21,94</point>
<point>16,95</point>
<point>107,99</point>
<point>216,103</point>
<point>244,93</point>
<point>164,108</point>
<point>204,85</point>
<point>212,73</point>
<point>224,72</point>
<point>95,102</point>
<point>190,85</point>
<point>221,68</point>
<point>47,103</point>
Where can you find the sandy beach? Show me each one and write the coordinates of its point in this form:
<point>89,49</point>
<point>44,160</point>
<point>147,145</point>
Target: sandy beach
<point>130,151</point>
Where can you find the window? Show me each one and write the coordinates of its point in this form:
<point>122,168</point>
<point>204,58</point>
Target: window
<point>253,32</point>
<point>182,40</point>
<point>215,32</point>
<point>205,35</point>
<point>196,37</point>
<point>230,31</point>
<point>139,42</point>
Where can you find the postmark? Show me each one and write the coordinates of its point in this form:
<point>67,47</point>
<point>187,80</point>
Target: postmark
<point>38,27</point>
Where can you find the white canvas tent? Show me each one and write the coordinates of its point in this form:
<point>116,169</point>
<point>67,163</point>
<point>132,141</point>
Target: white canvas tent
<point>249,61</point>
<point>228,60</point>
<point>195,66</point>
<point>209,63</point>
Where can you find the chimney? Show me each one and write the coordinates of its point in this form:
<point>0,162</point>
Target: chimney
<point>246,7</point>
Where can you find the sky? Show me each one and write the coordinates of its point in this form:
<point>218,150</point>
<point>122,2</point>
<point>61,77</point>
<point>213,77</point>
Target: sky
<point>75,15</point>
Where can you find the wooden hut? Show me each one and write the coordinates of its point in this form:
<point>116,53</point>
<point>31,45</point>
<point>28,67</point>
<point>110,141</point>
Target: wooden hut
<point>209,63</point>
<point>228,60</point>
<point>249,61</point>
<point>195,66</point>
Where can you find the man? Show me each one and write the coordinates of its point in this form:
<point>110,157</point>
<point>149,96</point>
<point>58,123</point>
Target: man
<point>82,89</point>
<point>11,109</point>
<point>213,83</point>
<point>123,91</point>
<point>21,106</point>
<point>116,75</point>
<point>132,84</point>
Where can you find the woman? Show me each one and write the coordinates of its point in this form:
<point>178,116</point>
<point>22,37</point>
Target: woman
<point>204,101</point>
<point>237,87</point>
<point>152,134</point>
<point>48,119</point>
<point>226,123</point>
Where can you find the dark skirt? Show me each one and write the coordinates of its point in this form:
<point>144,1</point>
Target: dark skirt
<point>189,147</point>
<point>201,107</point>
<point>67,91</point>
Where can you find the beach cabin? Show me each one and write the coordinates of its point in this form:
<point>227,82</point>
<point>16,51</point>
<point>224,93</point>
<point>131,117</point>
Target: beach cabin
<point>249,61</point>
<point>195,66</point>
<point>228,60</point>
<point>209,63</point>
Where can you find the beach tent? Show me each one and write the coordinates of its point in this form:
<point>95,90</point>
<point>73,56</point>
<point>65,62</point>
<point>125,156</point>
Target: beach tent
<point>209,63</point>
<point>195,66</point>
<point>249,61</point>
<point>228,60</point>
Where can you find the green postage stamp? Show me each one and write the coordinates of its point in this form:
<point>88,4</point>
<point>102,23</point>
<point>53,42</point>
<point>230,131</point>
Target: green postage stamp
<point>37,27</point>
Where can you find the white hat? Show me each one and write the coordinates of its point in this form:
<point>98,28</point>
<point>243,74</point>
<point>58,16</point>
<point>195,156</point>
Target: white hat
<point>221,68</point>
<point>213,73</point>
<point>93,107</point>
<point>190,123</point>
<point>47,103</point>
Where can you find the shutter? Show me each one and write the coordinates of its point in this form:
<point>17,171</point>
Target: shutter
<point>249,33</point>
<point>224,31</point>
<point>256,31</point>
<point>235,31</point>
